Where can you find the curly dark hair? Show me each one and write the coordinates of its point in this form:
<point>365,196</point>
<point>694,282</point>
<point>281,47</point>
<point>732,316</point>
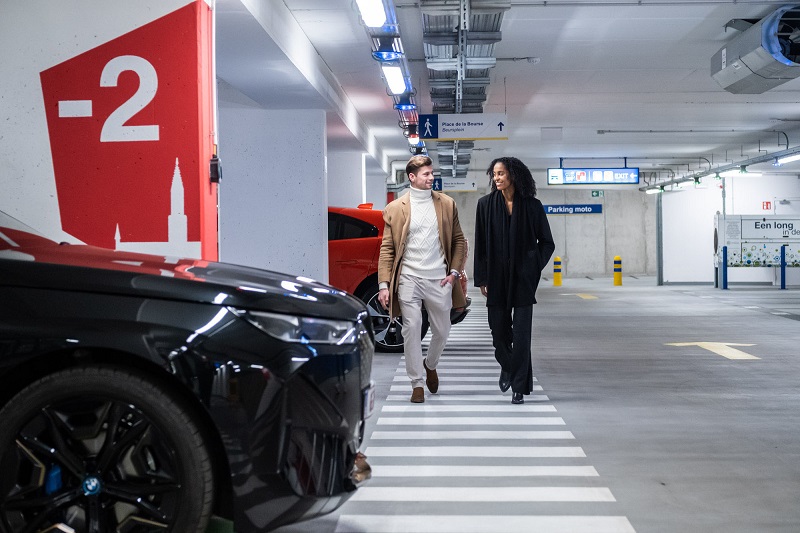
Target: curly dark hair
<point>519,174</point>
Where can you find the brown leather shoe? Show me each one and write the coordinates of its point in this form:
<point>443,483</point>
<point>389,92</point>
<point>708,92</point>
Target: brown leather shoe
<point>418,395</point>
<point>431,379</point>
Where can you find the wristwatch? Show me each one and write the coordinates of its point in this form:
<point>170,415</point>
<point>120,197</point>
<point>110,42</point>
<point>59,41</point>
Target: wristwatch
<point>455,273</point>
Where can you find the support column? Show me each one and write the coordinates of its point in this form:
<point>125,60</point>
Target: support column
<point>346,179</point>
<point>273,194</point>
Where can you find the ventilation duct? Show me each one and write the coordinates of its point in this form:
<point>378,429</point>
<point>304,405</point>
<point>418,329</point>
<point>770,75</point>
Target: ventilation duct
<point>762,57</point>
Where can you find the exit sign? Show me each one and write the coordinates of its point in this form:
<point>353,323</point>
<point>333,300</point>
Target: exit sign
<point>597,194</point>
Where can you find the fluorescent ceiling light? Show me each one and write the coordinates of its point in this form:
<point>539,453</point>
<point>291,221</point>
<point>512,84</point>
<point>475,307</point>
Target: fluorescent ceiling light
<point>788,159</point>
<point>394,78</point>
<point>739,172</point>
<point>372,12</point>
<point>653,191</point>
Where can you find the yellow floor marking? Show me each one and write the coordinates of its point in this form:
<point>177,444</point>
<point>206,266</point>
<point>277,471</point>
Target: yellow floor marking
<point>720,348</point>
<point>580,295</point>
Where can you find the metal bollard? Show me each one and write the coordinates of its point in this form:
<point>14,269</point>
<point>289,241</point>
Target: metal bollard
<point>556,271</point>
<point>783,266</point>
<point>617,270</point>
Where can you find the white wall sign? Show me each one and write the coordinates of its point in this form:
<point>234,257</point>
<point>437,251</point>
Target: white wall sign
<point>770,228</point>
<point>467,126</point>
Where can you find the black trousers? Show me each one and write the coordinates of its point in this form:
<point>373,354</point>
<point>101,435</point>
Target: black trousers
<point>511,337</point>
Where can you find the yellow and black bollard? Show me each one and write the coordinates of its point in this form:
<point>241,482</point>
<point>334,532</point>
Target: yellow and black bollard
<point>617,270</point>
<point>556,271</point>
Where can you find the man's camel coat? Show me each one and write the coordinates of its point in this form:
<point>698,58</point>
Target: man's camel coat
<point>397,218</point>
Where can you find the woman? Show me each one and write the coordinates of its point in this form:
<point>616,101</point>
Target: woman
<point>513,244</point>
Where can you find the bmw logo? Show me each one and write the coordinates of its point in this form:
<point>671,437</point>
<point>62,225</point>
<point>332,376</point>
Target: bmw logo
<point>91,486</point>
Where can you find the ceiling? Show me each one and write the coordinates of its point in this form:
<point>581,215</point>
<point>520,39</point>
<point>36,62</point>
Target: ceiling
<point>594,83</point>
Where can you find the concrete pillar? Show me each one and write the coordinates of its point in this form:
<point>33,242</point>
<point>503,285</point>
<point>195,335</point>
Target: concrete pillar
<point>273,193</point>
<point>346,179</point>
<point>376,182</point>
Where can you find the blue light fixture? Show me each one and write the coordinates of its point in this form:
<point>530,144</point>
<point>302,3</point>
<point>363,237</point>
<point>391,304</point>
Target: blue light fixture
<point>405,103</point>
<point>386,51</point>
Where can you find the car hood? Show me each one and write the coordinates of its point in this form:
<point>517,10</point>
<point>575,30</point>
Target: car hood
<point>45,264</point>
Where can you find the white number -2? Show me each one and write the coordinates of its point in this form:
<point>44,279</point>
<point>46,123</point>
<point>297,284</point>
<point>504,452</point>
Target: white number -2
<point>114,128</point>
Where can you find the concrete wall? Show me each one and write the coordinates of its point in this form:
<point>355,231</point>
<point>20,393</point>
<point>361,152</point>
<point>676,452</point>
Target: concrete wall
<point>346,179</point>
<point>688,220</point>
<point>272,207</point>
<point>587,244</point>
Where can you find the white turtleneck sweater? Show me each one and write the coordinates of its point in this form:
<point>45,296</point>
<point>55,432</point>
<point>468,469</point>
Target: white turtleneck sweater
<point>423,257</point>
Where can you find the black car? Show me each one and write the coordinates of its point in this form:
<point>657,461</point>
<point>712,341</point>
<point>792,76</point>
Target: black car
<point>144,394</point>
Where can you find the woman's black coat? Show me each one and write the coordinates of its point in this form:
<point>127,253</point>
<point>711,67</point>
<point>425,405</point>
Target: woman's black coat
<point>510,252</point>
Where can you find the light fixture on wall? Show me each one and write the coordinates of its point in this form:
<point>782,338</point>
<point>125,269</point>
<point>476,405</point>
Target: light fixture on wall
<point>372,12</point>
<point>394,78</point>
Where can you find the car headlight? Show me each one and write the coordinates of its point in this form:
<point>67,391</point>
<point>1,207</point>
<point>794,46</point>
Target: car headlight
<point>301,329</point>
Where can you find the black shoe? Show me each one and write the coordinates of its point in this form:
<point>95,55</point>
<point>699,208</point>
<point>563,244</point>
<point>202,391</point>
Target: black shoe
<point>517,398</point>
<point>505,380</point>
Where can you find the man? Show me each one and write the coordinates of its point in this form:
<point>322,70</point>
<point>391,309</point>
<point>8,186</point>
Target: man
<point>422,253</point>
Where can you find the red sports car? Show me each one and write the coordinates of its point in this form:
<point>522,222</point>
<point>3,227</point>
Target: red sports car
<point>354,244</point>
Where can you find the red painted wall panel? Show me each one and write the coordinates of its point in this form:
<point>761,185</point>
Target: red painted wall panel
<point>130,125</point>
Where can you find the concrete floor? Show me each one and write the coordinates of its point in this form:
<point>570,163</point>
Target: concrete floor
<point>637,426</point>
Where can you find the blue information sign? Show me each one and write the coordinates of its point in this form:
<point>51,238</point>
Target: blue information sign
<point>437,184</point>
<point>592,176</point>
<point>573,209</point>
<point>428,127</point>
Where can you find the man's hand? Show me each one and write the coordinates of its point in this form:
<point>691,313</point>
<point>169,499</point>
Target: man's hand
<point>484,291</point>
<point>383,298</point>
<point>448,279</point>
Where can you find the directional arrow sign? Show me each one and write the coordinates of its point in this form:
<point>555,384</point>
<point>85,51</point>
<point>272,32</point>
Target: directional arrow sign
<point>466,126</point>
<point>720,348</point>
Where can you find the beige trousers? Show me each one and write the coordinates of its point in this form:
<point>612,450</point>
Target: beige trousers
<point>412,292</point>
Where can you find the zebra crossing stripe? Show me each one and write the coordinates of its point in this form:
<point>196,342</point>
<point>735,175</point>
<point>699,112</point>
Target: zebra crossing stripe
<point>406,387</point>
<point>473,420</point>
<point>445,364</point>
<point>487,371</point>
<point>483,494</point>
<point>474,451</point>
<point>468,408</point>
<point>466,435</point>
<point>483,523</point>
<point>449,378</point>
<point>439,471</point>
<point>496,398</point>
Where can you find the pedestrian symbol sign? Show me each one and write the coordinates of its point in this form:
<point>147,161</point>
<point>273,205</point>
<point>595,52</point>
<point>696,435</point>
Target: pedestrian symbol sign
<point>468,126</point>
